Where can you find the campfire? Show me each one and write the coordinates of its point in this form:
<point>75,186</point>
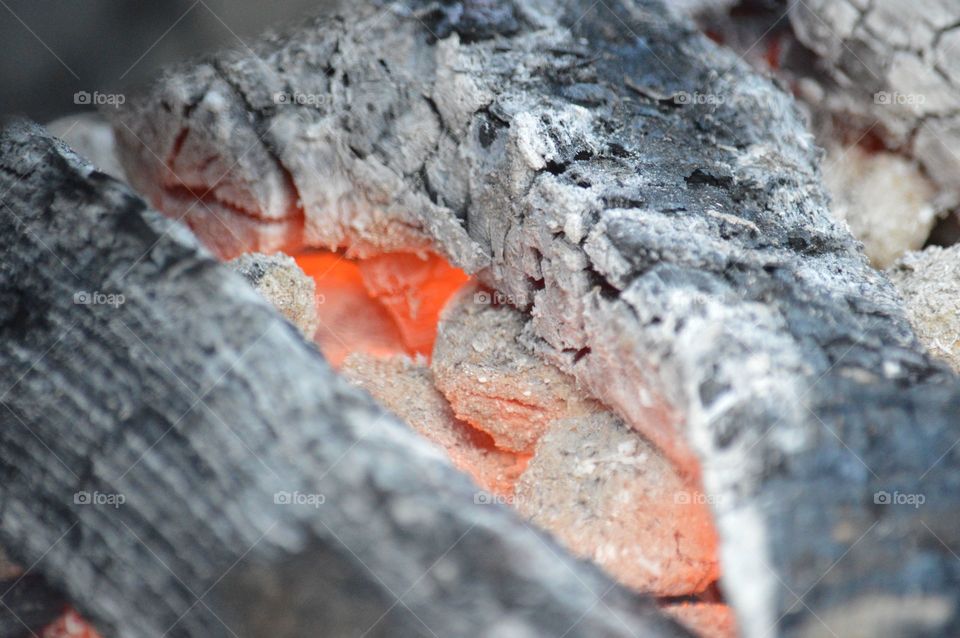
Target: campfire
<point>475,318</point>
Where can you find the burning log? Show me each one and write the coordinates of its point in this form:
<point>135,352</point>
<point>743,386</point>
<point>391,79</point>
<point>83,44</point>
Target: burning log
<point>673,251</point>
<point>864,107</point>
<point>180,461</point>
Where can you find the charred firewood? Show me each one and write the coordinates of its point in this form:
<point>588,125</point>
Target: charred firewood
<point>883,110</point>
<point>28,605</point>
<point>656,208</point>
<point>180,461</point>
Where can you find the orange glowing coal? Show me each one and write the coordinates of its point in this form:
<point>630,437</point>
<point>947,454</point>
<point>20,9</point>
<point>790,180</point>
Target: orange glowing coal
<point>384,305</point>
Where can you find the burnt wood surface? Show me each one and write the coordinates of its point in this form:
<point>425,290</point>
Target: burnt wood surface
<point>144,443</point>
<point>28,605</point>
<point>657,209</point>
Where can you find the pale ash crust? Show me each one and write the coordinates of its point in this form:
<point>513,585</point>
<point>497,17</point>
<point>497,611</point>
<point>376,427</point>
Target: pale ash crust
<point>492,381</point>
<point>679,260</point>
<point>893,67</point>
<point>929,282</point>
<point>284,284</point>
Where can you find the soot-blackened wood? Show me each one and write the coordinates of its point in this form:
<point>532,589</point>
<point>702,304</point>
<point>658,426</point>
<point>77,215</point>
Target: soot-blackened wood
<point>28,605</point>
<point>180,461</point>
<point>657,209</point>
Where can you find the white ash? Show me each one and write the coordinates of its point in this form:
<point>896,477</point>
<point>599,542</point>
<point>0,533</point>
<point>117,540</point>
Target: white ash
<point>929,282</point>
<point>283,283</point>
<point>891,67</point>
<point>609,495</point>
<point>885,199</point>
<point>491,380</point>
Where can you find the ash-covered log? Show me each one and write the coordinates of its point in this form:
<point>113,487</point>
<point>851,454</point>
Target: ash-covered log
<point>180,462</point>
<point>657,209</point>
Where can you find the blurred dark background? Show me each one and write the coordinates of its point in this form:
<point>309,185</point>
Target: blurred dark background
<point>53,49</point>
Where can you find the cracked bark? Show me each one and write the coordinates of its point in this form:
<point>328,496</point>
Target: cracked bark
<point>679,260</point>
<point>198,403</point>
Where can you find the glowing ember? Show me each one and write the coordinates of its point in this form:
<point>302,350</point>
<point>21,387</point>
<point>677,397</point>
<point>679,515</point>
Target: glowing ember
<point>384,305</point>
<point>414,290</point>
<point>394,381</point>
<point>349,320</point>
<point>710,620</point>
<point>609,495</point>
<point>492,381</point>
